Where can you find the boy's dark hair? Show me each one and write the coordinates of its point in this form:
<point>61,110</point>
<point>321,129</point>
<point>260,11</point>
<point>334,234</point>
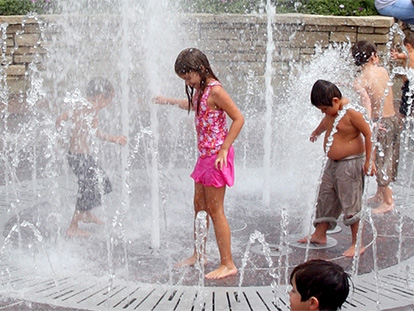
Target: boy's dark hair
<point>99,86</point>
<point>323,92</point>
<point>324,280</point>
<point>409,38</point>
<point>193,59</point>
<point>362,51</point>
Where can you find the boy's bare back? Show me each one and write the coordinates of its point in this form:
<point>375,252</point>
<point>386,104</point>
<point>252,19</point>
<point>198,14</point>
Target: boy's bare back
<point>371,85</point>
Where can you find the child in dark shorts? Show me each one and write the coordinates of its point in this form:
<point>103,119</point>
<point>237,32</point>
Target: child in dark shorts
<point>92,179</point>
<point>407,95</point>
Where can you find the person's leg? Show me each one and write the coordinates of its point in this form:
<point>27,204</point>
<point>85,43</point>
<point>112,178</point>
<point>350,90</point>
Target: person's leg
<point>350,252</point>
<point>199,205</point>
<point>328,208</point>
<point>215,208</point>
<point>388,201</point>
<point>319,236</point>
<point>74,230</point>
<point>402,9</point>
<point>385,164</point>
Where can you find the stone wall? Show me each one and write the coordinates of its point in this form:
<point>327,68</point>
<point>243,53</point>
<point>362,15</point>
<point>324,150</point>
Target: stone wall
<point>234,43</point>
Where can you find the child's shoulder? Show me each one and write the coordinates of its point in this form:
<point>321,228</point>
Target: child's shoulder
<point>353,110</point>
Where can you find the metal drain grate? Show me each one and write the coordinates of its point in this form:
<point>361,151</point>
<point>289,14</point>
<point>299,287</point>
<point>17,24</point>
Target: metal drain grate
<point>101,294</point>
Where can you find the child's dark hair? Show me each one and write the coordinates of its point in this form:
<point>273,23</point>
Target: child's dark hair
<point>193,60</point>
<point>99,86</point>
<point>324,280</point>
<point>409,38</point>
<point>323,92</point>
<point>362,52</point>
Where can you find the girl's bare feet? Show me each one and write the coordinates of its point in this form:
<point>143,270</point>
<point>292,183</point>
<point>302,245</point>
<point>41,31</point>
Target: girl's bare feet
<point>221,273</point>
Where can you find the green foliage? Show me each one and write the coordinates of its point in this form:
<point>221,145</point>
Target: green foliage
<point>340,7</point>
<point>220,6</point>
<point>22,7</point>
<point>322,7</point>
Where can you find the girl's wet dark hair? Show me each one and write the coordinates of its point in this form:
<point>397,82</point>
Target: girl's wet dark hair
<point>362,52</point>
<point>99,86</point>
<point>193,60</point>
<point>324,280</point>
<point>323,92</point>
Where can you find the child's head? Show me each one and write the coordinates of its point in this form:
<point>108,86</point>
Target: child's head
<point>362,51</point>
<point>195,63</point>
<point>318,285</point>
<point>323,93</point>
<point>409,39</point>
<point>100,89</point>
<point>193,60</point>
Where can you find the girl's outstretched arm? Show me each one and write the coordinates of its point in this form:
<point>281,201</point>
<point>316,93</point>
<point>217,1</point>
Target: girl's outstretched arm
<point>161,100</point>
<point>223,100</point>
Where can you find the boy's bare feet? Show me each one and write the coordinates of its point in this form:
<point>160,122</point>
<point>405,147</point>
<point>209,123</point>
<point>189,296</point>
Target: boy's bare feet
<point>221,273</point>
<point>376,199</point>
<point>350,252</point>
<point>77,233</point>
<point>383,208</point>
<point>314,239</point>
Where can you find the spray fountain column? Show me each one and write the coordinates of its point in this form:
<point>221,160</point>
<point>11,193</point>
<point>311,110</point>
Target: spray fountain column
<point>267,140</point>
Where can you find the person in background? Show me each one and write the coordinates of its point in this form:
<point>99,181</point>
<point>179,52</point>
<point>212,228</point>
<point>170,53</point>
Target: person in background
<point>377,97</point>
<point>84,129</point>
<point>400,9</point>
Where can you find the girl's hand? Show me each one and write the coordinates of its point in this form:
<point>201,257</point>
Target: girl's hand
<point>160,100</point>
<point>221,159</point>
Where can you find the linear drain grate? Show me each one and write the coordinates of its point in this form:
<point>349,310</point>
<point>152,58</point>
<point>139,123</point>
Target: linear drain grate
<point>97,294</point>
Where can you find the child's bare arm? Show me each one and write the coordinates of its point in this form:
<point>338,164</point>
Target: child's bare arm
<point>358,120</point>
<point>63,117</point>
<point>363,95</point>
<point>161,100</point>
<point>318,131</point>
<point>118,139</point>
<point>223,100</point>
<point>395,55</point>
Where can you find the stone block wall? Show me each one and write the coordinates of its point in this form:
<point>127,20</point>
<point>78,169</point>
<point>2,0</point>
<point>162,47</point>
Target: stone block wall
<point>235,44</point>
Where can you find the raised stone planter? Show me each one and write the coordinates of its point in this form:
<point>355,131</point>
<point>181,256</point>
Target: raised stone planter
<point>232,42</point>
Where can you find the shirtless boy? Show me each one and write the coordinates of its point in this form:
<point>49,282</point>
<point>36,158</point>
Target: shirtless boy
<point>377,97</point>
<point>349,157</point>
<point>92,180</point>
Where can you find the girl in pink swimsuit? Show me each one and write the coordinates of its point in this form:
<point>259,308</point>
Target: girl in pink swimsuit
<point>214,169</point>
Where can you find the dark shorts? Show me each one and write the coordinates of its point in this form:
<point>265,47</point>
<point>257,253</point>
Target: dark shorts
<point>405,107</point>
<point>92,181</point>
